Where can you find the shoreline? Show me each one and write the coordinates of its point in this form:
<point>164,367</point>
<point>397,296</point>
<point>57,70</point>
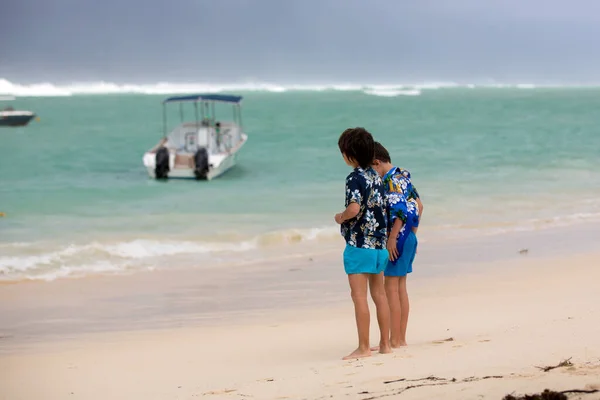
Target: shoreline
<point>121,254</point>
<point>165,298</point>
<point>517,315</point>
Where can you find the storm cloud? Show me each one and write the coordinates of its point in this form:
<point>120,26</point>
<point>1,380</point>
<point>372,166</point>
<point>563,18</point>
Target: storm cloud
<point>300,41</point>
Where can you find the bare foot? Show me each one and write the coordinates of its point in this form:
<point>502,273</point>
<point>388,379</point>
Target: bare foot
<point>358,353</point>
<point>387,349</point>
<point>398,345</point>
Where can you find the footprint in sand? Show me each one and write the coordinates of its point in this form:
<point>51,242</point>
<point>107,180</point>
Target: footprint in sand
<point>215,392</point>
<point>484,341</point>
<point>443,341</point>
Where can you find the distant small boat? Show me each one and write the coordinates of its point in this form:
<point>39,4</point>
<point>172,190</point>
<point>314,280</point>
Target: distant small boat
<point>201,149</point>
<point>11,117</point>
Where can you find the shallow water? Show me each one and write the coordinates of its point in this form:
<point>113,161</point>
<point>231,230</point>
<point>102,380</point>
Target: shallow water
<point>485,161</point>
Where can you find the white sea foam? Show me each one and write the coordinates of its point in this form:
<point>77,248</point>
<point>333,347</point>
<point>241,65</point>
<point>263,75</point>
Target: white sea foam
<point>50,261</point>
<point>75,271</point>
<point>151,248</point>
<point>49,89</point>
<point>393,92</point>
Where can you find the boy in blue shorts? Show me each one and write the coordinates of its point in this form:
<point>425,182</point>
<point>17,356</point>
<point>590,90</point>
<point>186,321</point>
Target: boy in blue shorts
<point>404,207</point>
<point>364,227</point>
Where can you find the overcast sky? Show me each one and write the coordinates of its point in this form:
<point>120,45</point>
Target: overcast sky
<point>300,41</point>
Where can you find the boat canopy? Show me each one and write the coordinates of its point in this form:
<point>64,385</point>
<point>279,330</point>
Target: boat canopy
<point>225,98</point>
<point>205,115</point>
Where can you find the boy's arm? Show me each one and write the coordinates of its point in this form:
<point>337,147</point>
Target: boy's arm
<point>354,197</point>
<point>415,195</point>
<point>420,208</point>
<point>397,225</point>
<point>398,219</point>
<point>350,212</point>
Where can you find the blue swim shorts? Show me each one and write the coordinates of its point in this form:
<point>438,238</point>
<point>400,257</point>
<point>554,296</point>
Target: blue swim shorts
<point>403,265</point>
<point>364,261</point>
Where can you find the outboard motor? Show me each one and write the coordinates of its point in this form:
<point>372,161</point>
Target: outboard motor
<point>201,163</point>
<point>161,169</point>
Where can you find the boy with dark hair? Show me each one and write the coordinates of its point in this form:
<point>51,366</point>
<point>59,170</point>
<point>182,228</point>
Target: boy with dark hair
<point>404,209</point>
<point>364,227</point>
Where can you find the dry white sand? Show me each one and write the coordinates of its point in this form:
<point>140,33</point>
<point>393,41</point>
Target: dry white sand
<point>470,337</point>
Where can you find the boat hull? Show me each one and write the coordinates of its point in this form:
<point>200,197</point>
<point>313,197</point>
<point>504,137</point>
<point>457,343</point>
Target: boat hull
<point>216,169</point>
<point>10,120</point>
<point>188,173</point>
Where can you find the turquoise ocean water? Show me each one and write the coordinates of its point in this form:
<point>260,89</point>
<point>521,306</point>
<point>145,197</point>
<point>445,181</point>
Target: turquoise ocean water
<point>77,199</point>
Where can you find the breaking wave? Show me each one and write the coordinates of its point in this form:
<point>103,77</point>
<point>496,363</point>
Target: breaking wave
<point>21,261</point>
<point>49,261</point>
<point>48,89</point>
<point>392,92</point>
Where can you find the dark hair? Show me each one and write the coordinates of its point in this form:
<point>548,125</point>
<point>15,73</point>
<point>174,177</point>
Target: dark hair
<point>381,153</point>
<point>358,144</point>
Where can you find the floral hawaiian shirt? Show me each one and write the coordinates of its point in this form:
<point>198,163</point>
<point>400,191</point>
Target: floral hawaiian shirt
<point>369,228</point>
<point>401,198</point>
<point>402,180</point>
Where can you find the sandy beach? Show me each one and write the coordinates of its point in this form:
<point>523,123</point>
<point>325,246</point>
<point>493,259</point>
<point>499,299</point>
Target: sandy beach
<point>122,279</point>
<point>480,333</point>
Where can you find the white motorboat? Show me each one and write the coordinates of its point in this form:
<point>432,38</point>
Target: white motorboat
<point>11,117</point>
<point>202,149</point>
